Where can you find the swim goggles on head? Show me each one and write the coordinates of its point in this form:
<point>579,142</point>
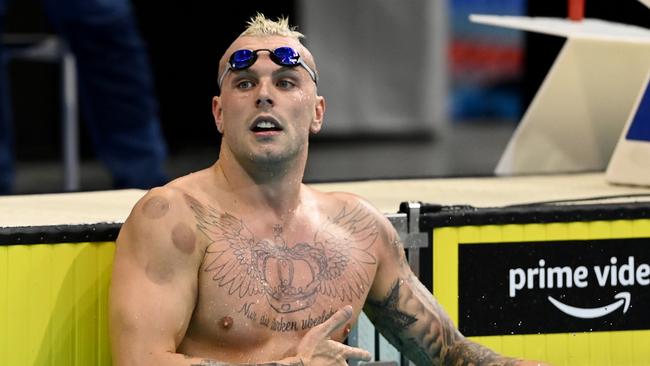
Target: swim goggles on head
<point>283,56</point>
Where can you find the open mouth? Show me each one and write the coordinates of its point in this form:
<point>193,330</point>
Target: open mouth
<point>266,124</point>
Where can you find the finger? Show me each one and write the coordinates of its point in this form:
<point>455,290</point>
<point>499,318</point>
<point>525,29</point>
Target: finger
<point>353,353</point>
<point>337,320</point>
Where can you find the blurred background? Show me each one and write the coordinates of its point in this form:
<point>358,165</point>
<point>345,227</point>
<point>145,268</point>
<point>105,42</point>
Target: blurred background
<point>414,89</point>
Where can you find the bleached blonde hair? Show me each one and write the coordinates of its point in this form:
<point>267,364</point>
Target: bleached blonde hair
<point>260,25</point>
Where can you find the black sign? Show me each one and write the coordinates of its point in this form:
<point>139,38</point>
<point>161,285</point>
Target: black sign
<point>554,287</point>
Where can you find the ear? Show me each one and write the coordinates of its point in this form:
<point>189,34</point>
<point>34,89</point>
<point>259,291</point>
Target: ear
<point>319,114</point>
<point>217,112</point>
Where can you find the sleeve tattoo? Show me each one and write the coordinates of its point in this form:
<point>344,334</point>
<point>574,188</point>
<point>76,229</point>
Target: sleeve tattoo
<point>409,317</point>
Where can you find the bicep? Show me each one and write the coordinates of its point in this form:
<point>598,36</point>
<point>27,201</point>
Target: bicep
<point>152,295</point>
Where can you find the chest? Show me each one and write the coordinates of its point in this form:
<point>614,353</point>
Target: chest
<point>252,290</point>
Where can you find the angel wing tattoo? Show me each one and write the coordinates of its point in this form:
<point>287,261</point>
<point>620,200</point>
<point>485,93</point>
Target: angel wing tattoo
<point>335,264</point>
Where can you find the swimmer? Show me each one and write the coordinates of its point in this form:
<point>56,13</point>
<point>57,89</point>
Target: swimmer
<point>242,263</point>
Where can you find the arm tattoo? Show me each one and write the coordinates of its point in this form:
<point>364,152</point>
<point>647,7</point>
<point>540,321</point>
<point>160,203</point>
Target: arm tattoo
<point>393,323</point>
<point>414,323</point>
<point>391,316</point>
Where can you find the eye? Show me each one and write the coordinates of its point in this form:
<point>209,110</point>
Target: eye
<point>285,84</point>
<point>245,84</point>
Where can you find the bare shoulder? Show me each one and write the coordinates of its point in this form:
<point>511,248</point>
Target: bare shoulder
<point>355,212</point>
<point>358,207</point>
<point>169,206</point>
<point>350,201</point>
<point>163,220</point>
<point>338,198</point>
<point>160,204</point>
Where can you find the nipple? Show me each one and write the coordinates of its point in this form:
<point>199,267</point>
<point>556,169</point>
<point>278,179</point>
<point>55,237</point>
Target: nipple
<point>226,322</point>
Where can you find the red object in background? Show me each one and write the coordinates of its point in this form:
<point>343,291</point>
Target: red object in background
<point>576,9</point>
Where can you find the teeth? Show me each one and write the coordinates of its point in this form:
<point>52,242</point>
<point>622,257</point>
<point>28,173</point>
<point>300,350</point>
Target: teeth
<point>265,124</point>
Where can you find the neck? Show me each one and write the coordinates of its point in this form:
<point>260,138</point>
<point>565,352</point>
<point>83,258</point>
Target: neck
<point>275,187</point>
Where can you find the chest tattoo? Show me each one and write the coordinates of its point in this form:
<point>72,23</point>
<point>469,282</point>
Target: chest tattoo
<point>290,276</point>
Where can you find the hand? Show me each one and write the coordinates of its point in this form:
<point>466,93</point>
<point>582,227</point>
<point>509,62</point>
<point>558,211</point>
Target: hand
<point>317,349</point>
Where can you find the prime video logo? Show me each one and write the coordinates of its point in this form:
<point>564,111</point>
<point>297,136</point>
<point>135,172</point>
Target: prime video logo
<point>543,277</point>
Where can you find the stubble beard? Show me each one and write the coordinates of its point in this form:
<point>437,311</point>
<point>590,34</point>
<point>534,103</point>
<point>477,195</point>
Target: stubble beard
<point>271,159</point>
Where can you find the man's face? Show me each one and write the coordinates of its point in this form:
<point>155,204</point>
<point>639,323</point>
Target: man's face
<point>267,111</point>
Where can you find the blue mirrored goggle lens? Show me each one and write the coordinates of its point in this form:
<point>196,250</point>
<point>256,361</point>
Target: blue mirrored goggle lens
<point>242,59</point>
<point>286,56</point>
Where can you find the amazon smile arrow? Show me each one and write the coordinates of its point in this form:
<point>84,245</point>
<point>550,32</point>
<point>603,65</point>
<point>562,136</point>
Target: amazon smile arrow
<point>591,313</point>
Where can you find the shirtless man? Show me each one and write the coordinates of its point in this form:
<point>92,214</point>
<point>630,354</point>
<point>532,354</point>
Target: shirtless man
<point>241,263</point>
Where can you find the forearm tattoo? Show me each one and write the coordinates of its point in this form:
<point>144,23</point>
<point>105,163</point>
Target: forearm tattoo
<point>338,258</point>
<point>414,323</point>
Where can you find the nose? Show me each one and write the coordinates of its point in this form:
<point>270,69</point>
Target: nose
<point>264,99</point>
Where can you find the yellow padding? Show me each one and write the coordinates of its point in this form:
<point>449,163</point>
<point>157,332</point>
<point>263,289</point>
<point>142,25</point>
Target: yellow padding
<point>53,304</point>
<point>584,348</point>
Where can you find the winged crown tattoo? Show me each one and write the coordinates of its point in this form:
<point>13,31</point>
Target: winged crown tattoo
<point>335,261</point>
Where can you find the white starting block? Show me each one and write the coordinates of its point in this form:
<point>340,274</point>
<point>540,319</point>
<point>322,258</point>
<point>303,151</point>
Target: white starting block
<point>630,163</point>
<point>574,121</point>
